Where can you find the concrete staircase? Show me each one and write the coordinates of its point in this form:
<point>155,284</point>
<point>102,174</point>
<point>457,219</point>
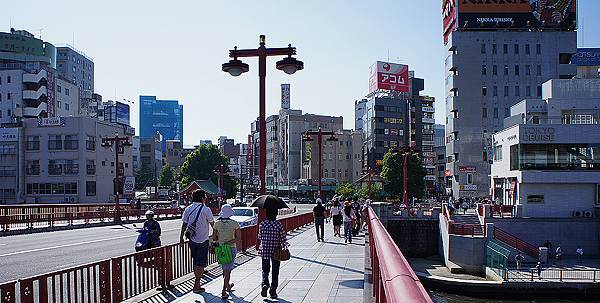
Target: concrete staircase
<point>468,219</point>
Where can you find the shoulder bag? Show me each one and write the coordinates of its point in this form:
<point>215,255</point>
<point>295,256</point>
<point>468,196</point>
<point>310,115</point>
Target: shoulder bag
<point>282,253</point>
<point>190,230</point>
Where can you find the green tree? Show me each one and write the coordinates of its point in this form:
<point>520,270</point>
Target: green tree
<point>167,176</point>
<point>144,176</point>
<point>200,165</point>
<point>345,190</point>
<point>393,173</point>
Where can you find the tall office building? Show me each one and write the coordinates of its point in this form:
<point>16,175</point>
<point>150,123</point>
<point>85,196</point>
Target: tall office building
<point>76,67</point>
<point>163,116</point>
<point>498,53</point>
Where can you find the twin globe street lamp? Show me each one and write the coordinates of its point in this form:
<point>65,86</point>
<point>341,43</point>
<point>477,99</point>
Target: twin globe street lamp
<point>236,67</point>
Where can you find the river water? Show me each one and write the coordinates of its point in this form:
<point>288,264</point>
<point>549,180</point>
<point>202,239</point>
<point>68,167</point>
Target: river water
<point>440,297</point>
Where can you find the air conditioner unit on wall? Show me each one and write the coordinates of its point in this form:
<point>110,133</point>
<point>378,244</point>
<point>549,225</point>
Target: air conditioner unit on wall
<point>588,214</point>
<point>577,213</point>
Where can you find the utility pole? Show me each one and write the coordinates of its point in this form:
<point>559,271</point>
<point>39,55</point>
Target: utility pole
<point>117,142</point>
<point>320,133</point>
<point>221,170</point>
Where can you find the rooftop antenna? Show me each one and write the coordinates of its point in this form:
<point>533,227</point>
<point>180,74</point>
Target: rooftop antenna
<point>41,29</point>
<point>388,57</point>
<point>73,39</point>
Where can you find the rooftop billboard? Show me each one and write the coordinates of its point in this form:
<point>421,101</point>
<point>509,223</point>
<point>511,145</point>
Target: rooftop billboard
<point>388,76</point>
<point>502,14</point>
<point>122,113</point>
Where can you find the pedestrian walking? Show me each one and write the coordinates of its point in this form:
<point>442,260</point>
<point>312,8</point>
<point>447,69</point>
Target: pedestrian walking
<point>348,218</point>
<point>518,259</point>
<point>364,212</point>
<point>272,237</point>
<point>336,217</point>
<point>548,245</point>
<point>356,223</point>
<point>579,252</point>
<point>538,268</point>
<point>558,253</point>
<point>319,215</point>
<point>465,206</point>
<point>197,219</point>
<point>228,236</point>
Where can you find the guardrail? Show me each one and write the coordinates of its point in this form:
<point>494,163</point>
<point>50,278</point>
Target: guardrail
<point>393,278</point>
<point>553,274</point>
<point>461,229</point>
<point>516,242</point>
<point>122,277</point>
<point>34,220</point>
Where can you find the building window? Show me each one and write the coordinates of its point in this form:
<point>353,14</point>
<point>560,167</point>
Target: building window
<point>538,49</point>
<point>505,91</point>
<point>517,70</point>
<point>483,70</point>
<point>90,167</point>
<point>71,142</point>
<point>495,70</point>
<point>527,49</point>
<point>8,96</point>
<point>528,70</point>
<point>516,49</point>
<point>506,112</point>
<point>8,80</point>
<point>539,70</point>
<point>66,91</point>
<point>505,49</point>
<point>506,70</point>
<point>495,112</point>
<point>71,188</point>
<point>517,91</point>
<point>90,143</point>
<point>528,91</point>
<point>90,188</point>
<point>494,48</point>
<point>54,142</point>
<point>66,106</point>
<point>469,178</point>
<point>32,143</point>
<point>484,91</point>
<point>495,91</point>
<point>32,167</point>
<point>71,167</point>
<point>498,153</point>
<point>484,112</point>
<point>59,88</point>
<point>483,48</point>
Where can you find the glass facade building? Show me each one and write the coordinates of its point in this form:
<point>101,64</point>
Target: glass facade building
<point>163,116</point>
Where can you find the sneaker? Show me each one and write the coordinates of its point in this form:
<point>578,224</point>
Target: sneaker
<point>273,296</point>
<point>263,291</point>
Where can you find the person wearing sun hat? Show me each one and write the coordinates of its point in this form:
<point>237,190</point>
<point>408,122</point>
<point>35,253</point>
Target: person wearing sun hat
<point>227,231</point>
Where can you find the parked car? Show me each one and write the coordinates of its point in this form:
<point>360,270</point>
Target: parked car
<point>246,216</point>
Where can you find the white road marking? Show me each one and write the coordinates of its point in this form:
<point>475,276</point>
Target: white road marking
<point>73,244</point>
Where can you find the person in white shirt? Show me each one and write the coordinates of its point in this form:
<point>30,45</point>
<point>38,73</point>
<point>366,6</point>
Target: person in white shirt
<point>348,217</point>
<point>336,217</point>
<point>197,221</point>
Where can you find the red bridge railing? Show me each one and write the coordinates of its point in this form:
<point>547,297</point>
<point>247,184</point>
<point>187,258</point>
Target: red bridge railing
<point>516,242</point>
<point>122,277</point>
<point>393,278</point>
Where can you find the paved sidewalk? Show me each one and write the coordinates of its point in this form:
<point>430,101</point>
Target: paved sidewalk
<point>329,271</point>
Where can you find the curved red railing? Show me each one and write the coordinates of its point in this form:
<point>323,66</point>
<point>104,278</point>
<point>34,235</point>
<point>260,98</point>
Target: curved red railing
<point>516,242</point>
<point>393,278</point>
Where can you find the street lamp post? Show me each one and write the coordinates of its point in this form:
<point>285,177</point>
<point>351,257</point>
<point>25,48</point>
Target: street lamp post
<point>405,152</point>
<point>236,67</point>
<point>117,142</point>
<point>320,133</point>
<point>221,170</point>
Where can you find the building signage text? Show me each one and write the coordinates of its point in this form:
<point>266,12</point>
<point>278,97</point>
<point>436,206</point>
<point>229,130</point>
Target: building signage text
<point>9,134</point>
<point>544,134</point>
<point>52,121</point>
<point>467,169</point>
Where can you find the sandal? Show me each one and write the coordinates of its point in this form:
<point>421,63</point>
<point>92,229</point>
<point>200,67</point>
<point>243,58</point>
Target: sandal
<point>224,295</point>
<point>199,291</point>
<point>230,287</point>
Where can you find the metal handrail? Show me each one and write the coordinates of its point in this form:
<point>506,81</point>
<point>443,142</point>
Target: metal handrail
<point>121,277</point>
<point>516,242</point>
<point>393,278</point>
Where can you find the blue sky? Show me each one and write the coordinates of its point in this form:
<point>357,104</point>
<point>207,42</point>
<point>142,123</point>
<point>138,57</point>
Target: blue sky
<point>174,49</point>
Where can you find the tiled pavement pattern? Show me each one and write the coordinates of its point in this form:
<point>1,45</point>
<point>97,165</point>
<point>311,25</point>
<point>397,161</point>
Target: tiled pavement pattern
<point>329,271</point>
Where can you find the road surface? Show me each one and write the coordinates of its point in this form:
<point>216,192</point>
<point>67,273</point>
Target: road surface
<point>23,256</point>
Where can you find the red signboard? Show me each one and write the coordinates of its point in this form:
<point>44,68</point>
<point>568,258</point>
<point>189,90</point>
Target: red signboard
<point>388,76</point>
<point>449,14</point>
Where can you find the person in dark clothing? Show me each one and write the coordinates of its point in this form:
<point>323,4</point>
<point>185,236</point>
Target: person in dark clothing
<point>153,228</point>
<point>319,214</point>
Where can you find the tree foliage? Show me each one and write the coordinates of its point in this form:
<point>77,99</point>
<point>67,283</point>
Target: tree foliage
<point>200,165</point>
<point>345,190</point>
<point>144,176</point>
<point>392,172</point>
<point>167,176</point>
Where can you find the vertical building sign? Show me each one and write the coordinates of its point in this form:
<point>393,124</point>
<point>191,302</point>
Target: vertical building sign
<point>285,96</point>
<point>50,95</point>
<point>449,16</point>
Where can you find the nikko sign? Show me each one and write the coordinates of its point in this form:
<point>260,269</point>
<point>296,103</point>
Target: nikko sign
<point>388,76</point>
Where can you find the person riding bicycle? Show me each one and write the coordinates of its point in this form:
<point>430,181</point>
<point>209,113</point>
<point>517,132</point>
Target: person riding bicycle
<point>153,228</point>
